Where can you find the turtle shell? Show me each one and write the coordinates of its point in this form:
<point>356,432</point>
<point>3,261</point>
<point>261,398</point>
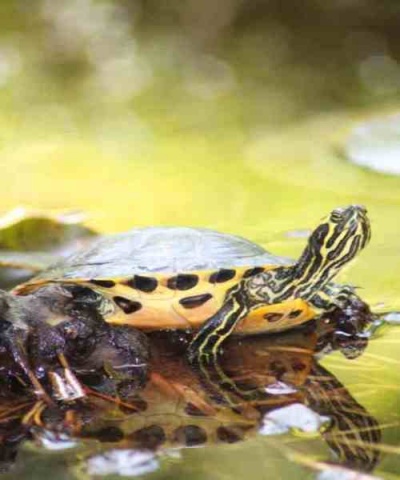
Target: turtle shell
<point>162,250</point>
<point>165,277</point>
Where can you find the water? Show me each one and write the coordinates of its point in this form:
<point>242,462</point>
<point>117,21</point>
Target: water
<point>268,397</point>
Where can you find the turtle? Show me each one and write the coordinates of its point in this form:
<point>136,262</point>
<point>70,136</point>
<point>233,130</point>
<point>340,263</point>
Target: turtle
<point>212,283</point>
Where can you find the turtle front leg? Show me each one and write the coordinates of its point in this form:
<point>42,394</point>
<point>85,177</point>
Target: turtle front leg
<point>206,343</point>
<point>356,313</point>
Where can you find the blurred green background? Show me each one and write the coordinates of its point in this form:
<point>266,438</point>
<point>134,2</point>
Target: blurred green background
<point>227,114</point>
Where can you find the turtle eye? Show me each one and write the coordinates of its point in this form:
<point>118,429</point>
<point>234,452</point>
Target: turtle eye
<point>346,213</point>
<point>337,215</point>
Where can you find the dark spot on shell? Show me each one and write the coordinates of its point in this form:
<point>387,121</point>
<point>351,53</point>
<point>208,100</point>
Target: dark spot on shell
<point>127,306</point>
<point>277,368</point>
<point>190,435</point>
<point>298,366</point>
<point>183,281</point>
<point>295,313</point>
<point>194,411</point>
<point>140,404</point>
<point>103,283</point>
<point>237,410</point>
<point>109,434</point>
<point>142,283</point>
<point>137,403</point>
<point>273,317</point>
<point>149,437</point>
<point>223,275</point>
<point>253,271</point>
<point>228,435</point>
<point>195,301</point>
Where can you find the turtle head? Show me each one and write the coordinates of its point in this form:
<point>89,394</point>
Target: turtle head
<point>348,232</point>
<point>333,244</point>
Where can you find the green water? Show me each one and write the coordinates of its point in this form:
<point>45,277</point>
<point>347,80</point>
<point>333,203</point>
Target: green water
<point>254,201</point>
<point>243,135</point>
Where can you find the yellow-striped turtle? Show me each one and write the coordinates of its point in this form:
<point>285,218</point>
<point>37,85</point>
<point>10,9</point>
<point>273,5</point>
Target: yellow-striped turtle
<point>170,277</point>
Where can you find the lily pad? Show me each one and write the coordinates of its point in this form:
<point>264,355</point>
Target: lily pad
<point>32,240</point>
<point>30,230</point>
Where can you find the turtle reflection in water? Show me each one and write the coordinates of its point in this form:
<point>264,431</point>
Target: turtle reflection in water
<point>183,406</point>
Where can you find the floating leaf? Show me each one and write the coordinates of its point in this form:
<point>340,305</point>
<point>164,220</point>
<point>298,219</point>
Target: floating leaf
<point>29,230</point>
<point>30,241</point>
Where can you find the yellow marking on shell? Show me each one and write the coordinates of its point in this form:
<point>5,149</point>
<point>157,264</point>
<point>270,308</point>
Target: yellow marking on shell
<point>256,321</point>
<point>162,279</point>
<point>160,310</point>
<point>163,313</point>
